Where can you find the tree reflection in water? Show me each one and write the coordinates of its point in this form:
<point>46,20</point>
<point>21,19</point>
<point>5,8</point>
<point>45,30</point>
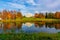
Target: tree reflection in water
<point>57,26</point>
<point>7,27</point>
<point>50,25</point>
<point>19,25</point>
<point>39,24</point>
<point>10,26</point>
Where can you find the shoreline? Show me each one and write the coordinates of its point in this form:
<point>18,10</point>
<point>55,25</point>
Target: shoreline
<point>31,20</point>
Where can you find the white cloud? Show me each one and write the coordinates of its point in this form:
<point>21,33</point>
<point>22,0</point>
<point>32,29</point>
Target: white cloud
<point>36,12</point>
<point>54,4</point>
<point>49,3</point>
<point>42,6</point>
<point>47,11</point>
<point>31,2</point>
<point>15,5</point>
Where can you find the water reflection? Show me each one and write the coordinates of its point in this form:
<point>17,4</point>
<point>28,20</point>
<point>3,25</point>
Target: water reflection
<point>28,24</point>
<point>51,25</point>
<point>29,27</point>
<point>57,26</point>
<point>39,24</point>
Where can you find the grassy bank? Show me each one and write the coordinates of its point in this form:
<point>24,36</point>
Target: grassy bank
<point>30,20</point>
<point>33,36</point>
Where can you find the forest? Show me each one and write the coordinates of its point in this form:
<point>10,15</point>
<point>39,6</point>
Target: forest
<point>13,16</point>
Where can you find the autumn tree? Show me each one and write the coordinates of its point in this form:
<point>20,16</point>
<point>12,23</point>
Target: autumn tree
<point>0,15</point>
<point>36,15</point>
<point>40,15</point>
<point>57,15</point>
<point>4,14</point>
<point>19,15</point>
<point>13,16</point>
<point>9,15</point>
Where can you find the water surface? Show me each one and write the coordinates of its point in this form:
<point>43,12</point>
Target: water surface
<point>29,27</point>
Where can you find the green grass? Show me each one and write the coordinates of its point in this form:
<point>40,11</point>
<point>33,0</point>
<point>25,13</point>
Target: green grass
<point>31,20</point>
<point>33,36</point>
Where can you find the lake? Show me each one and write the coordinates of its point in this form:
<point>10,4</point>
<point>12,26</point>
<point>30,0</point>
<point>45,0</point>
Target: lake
<point>29,27</point>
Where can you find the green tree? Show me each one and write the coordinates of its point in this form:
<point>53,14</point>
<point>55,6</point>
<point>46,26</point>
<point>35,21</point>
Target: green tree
<point>50,15</point>
<point>46,15</point>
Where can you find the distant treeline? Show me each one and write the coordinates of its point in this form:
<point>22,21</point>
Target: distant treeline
<point>17,14</point>
<point>55,15</point>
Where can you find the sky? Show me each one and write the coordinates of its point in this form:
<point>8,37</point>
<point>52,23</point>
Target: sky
<point>30,6</point>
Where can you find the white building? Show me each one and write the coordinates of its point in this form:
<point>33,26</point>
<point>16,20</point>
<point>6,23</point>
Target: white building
<point>29,15</point>
<point>0,18</point>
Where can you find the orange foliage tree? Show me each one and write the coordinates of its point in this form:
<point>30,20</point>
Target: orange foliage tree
<point>19,15</point>
<point>57,15</point>
<point>40,15</point>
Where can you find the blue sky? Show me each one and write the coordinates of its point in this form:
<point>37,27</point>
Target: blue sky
<point>31,6</point>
